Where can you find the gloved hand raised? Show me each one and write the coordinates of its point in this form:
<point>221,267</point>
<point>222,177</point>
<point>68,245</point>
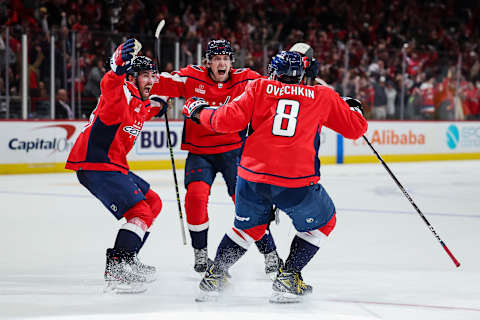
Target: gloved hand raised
<point>354,104</point>
<point>192,108</point>
<point>121,60</point>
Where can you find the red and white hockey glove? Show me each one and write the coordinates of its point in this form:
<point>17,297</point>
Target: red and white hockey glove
<point>121,60</point>
<point>354,104</point>
<point>192,108</point>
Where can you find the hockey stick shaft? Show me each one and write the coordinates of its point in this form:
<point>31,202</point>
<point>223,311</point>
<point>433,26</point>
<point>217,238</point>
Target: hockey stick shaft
<point>455,261</point>
<point>169,141</point>
<point>172,159</point>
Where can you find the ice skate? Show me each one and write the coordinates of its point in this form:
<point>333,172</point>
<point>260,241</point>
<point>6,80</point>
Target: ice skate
<point>203,262</point>
<point>272,263</point>
<point>149,272</point>
<point>212,285</point>
<point>119,276</point>
<point>289,287</point>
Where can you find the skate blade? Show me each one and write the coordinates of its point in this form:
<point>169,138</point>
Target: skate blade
<point>207,296</point>
<point>117,287</point>
<point>284,297</point>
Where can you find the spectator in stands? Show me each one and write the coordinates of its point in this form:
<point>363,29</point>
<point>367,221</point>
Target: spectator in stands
<point>374,41</point>
<point>92,87</point>
<point>427,108</point>
<point>379,111</point>
<point>391,93</point>
<point>62,109</point>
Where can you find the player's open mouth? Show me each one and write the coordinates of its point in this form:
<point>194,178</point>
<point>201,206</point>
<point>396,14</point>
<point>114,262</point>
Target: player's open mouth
<point>221,72</point>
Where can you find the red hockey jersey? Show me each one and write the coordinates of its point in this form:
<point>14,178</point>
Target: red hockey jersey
<point>113,127</point>
<point>194,81</point>
<point>286,120</point>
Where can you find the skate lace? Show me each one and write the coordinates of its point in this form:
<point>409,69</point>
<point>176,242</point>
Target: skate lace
<point>292,280</point>
<point>301,286</point>
<point>140,266</point>
<point>213,279</point>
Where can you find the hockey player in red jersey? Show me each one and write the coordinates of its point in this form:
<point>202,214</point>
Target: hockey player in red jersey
<point>99,158</point>
<point>210,152</point>
<point>279,166</point>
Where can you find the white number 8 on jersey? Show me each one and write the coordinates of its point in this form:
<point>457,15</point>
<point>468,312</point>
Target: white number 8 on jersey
<point>291,117</point>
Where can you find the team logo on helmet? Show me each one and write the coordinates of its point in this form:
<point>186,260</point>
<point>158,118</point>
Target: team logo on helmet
<point>287,66</point>
<point>142,63</point>
<point>219,47</point>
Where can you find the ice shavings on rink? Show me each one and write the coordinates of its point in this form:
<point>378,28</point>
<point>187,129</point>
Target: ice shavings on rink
<point>381,261</point>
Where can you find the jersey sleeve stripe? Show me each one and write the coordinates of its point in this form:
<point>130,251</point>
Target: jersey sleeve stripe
<point>236,83</point>
<point>174,77</point>
<point>127,93</point>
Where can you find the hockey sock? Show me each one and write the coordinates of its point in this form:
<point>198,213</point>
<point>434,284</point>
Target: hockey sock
<point>127,241</point>
<point>143,241</point>
<point>199,238</point>
<point>301,252</point>
<point>228,253</point>
<point>266,244</point>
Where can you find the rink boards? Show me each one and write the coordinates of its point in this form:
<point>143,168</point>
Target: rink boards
<point>43,146</point>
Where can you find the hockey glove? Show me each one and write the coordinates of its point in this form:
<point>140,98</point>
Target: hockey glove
<point>354,104</point>
<point>312,70</point>
<point>121,60</point>
<point>192,108</point>
<point>159,102</point>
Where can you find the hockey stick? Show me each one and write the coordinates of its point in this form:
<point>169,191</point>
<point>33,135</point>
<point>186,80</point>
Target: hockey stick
<point>455,261</point>
<point>180,214</point>
<point>413,203</point>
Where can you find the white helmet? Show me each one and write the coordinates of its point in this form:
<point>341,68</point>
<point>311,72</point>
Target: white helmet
<point>303,49</point>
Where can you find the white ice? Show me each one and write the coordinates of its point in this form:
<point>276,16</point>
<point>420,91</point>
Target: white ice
<point>381,261</point>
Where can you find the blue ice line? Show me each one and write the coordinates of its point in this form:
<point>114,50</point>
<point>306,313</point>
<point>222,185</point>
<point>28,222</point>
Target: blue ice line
<point>64,195</point>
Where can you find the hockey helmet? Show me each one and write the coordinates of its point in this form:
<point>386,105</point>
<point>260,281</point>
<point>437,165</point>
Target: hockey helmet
<point>218,47</point>
<point>287,67</point>
<point>303,49</point>
<point>311,70</point>
<point>142,63</point>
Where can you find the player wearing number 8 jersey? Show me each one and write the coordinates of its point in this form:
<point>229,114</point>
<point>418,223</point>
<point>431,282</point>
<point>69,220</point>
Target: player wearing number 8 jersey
<point>279,166</point>
<point>286,120</point>
<point>210,152</point>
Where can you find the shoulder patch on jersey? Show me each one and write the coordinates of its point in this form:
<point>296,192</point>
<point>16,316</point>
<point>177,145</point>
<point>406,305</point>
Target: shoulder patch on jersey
<point>197,67</point>
<point>240,70</point>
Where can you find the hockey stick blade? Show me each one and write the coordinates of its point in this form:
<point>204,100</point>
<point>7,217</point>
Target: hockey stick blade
<point>160,26</point>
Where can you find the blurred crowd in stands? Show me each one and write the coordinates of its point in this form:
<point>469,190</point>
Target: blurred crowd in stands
<point>364,47</point>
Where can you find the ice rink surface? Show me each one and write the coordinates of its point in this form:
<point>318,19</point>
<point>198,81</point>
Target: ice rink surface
<point>381,261</point>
